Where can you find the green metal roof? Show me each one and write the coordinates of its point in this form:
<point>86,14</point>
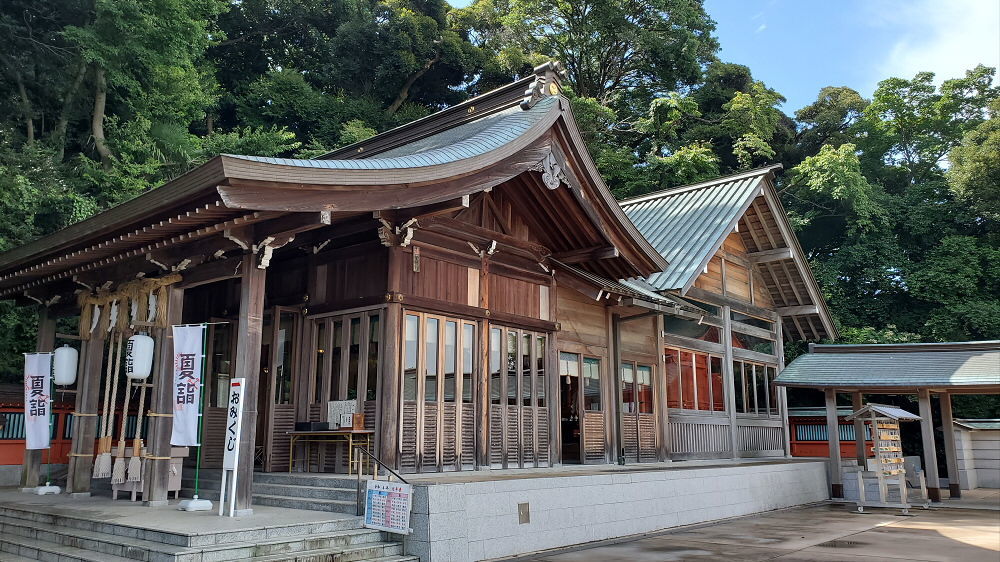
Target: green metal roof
<point>688,224</point>
<point>979,424</point>
<point>899,366</point>
<point>464,141</point>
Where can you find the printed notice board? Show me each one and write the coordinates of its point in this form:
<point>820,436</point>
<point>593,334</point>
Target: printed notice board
<point>387,506</point>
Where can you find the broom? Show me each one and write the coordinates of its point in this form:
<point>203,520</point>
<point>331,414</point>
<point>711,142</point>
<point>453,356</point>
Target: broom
<point>102,466</point>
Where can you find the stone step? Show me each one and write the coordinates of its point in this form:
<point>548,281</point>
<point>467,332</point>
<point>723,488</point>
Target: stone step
<point>306,479</point>
<point>145,550</point>
<point>338,506</point>
<point>64,521</point>
<point>34,549</point>
<point>385,552</point>
<point>304,491</point>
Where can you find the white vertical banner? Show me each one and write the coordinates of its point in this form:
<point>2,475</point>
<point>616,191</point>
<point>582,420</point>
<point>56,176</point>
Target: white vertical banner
<point>37,400</point>
<point>188,346</point>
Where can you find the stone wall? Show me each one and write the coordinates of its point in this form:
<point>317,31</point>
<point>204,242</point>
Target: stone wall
<point>468,521</point>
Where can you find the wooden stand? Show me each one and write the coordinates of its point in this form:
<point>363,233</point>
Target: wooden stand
<point>177,456</point>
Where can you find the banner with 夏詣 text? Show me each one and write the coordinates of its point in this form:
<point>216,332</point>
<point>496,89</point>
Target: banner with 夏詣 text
<point>188,346</point>
<point>37,400</point>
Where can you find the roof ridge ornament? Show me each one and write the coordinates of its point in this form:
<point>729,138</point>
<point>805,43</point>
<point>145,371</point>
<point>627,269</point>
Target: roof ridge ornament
<point>547,83</point>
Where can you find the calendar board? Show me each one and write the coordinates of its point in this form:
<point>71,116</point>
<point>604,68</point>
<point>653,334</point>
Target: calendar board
<point>387,506</point>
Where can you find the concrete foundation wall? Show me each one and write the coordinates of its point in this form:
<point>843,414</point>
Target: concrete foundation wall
<point>459,522</point>
<point>978,454</point>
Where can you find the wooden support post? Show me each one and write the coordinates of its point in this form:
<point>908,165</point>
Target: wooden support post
<point>616,378</point>
<point>248,366</point>
<point>950,452</point>
<point>88,394</point>
<point>391,395</point>
<point>45,340</point>
<point>664,445</point>
<point>157,468</point>
<point>833,437</point>
<point>552,392</point>
<point>482,387</point>
<point>930,452</point>
<point>857,402</point>
<point>729,380</point>
<point>779,350</point>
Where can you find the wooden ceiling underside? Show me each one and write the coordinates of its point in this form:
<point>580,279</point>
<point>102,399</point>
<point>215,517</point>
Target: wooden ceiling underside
<point>783,277</point>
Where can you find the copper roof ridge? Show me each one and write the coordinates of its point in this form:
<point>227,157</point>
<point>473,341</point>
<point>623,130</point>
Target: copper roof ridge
<point>670,191</point>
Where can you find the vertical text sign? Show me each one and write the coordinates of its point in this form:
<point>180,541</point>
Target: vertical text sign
<point>187,384</point>
<point>37,402</point>
<point>387,506</point>
<point>234,424</point>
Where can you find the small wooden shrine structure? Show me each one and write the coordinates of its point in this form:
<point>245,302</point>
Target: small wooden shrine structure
<point>468,279</point>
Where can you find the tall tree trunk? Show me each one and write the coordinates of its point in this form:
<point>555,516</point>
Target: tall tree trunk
<point>59,132</point>
<point>29,123</point>
<point>97,119</point>
<point>404,92</point>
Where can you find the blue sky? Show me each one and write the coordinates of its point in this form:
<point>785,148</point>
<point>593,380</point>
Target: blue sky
<point>799,46</point>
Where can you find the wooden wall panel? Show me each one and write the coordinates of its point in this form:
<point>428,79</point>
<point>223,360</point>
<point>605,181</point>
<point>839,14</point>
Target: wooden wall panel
<point>496,435</point>
<point>437,279</point>
<point>408,439</point>
<point>761,294</point>
<point>287,280</point>
<point>429,452</point>
<point>582,319</point>
<point>281,424</point>
<point>712,279</point>
<point>514,296</point>
<point>737,281</point>
<point>639,337</point>
<point>543,436</point>
<point>355,277</point>
<point>594,446</point>
<point>468,447</point>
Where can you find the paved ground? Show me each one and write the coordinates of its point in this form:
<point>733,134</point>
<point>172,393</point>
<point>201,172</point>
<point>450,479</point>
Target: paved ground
<point>816,533</point>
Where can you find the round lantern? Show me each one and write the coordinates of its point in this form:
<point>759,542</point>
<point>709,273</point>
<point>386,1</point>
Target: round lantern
<point>64,363</point>
<point>139,357</point>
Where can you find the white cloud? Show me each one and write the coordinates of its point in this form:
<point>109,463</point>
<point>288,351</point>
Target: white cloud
<point>761,27</point>
<point>946,37</point>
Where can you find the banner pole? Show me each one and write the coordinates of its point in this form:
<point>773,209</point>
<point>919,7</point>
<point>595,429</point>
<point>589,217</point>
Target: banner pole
<point>201,405</point>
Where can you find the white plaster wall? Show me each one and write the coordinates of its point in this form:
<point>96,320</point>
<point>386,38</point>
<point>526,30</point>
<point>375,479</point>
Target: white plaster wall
<point>479,520</point>
<point>986,457</point>
<point>966,464</point>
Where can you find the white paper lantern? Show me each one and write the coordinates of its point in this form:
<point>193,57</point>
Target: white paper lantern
<point>139,357</point>
<point>64,363</point>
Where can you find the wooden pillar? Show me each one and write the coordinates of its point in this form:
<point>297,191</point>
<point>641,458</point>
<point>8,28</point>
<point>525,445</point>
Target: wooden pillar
<point>88,394</point>
<point>553,391</point>
<point>930,452</point>
<point>660,385</point>
<point>729,380</point>
<point>857,402</point>
<point>391,397</point>
<point>616,379</point>
<point>950,452</point>
<point>779,351</point>
<point>833,437</point>
<point>482,387</point>
<point>45,340</point>
<point>161,406</point>
<point>248,366</point>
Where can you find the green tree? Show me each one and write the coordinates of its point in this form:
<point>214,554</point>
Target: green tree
<point>975,166</point>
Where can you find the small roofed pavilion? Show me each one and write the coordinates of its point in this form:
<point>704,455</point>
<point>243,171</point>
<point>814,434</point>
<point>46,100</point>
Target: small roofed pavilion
<point>924,369</point>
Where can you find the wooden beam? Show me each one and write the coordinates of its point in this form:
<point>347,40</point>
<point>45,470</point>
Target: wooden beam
<point>950,451</point>
<point>391,389</point>
<point>593,253</point>
<point>291,224</point>
<point>764,256</point>
<point>800,310</point>
<point>833,439</point>
<point>248,365</point>
<point>930,450</point>
<point>735,304</point>
<point>433,210</point>
<point>212,271</point>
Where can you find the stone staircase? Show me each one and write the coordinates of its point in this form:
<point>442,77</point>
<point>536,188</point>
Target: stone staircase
<point>27,534</point>
<point>315,492</point>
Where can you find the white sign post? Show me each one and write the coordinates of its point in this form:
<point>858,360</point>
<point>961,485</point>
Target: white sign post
<point>37,400</point>
<point>387,506</point>
<point>231,457</point>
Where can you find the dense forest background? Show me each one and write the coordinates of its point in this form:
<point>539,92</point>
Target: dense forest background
<point>896,198</point>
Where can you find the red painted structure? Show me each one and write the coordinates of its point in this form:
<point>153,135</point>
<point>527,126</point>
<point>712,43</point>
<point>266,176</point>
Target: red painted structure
<point>807,427</point>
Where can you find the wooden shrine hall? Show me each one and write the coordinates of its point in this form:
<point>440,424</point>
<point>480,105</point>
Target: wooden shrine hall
<point>468,279</point>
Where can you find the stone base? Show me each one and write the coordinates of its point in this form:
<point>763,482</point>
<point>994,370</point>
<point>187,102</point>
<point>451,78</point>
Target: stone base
<point>463,517</point>
<point>243,512</point>
<point>79,495</point>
